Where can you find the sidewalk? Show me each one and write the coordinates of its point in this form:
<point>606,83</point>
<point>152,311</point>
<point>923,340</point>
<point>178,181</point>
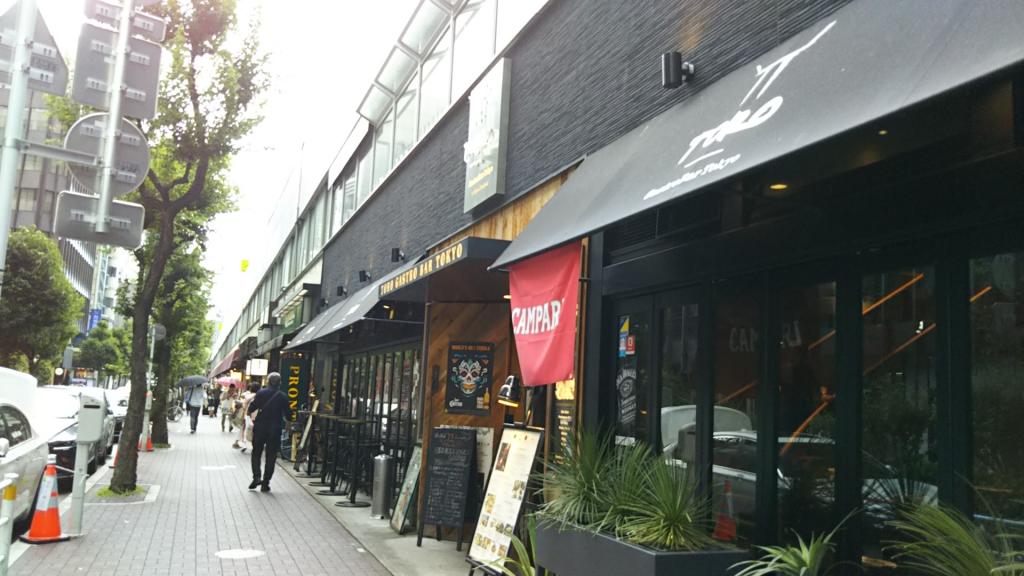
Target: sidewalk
<point>202,507</point>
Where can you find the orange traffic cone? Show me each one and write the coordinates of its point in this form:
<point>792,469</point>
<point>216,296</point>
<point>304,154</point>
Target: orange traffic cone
<point>46,521</point>
<point>725,524</point>
<point>113,463</point>
<point>149,441</point>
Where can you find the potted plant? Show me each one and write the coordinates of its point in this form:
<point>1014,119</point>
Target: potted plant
<point>805,558</point>
<point>939,541</point>
<point>613,510</point>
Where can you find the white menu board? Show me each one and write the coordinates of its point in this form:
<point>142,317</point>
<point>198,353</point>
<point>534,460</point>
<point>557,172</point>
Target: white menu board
<point>504,498</point>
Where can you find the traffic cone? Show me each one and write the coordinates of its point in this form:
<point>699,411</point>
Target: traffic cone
<point>46,520</point>
<point>725,524</point>
<point>113,462</point>
<point>149,441</point>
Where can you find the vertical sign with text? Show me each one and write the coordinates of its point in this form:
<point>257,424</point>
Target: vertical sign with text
<point>295,372</point>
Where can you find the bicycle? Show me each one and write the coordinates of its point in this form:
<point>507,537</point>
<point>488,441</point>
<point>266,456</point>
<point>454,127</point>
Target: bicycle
<point>175,412</point>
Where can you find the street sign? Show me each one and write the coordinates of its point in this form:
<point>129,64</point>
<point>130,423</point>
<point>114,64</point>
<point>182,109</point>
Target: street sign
<point>131,153</point>
<point>76,214</point>
<point>145,25</point>
<point>159,332</point>
<point>47,70</point>
<point>94,67</point>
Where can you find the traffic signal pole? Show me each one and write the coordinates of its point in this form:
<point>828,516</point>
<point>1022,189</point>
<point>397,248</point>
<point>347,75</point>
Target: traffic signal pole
<point>12,132</point>
<point>109,170</point>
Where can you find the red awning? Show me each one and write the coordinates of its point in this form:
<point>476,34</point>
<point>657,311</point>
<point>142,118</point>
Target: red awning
<point>225,364</point>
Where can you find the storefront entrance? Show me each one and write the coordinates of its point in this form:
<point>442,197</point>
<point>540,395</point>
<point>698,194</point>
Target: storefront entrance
<point>895,380</point>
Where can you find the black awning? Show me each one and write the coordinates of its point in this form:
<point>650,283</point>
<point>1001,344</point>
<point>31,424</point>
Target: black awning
<point>457,273</point>
<point>348,311</point>
<point>866,61</point>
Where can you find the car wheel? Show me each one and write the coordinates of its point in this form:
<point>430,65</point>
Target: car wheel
<point>21,526</point>
<point>91,468</point>
<point>65,484</point>
<point>101,457</point>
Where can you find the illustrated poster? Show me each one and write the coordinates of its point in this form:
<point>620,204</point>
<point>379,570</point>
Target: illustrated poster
<point>470,374</point>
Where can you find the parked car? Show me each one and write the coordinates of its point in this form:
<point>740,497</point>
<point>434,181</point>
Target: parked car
<point>119,406</point>
<point>57,407</point>
<point>23,450</point>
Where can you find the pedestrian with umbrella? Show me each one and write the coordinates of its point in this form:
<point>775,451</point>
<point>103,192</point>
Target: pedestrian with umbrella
<point>194,397</point>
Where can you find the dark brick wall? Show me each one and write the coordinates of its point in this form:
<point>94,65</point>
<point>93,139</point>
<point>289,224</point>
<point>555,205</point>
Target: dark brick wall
<point>585,73</point>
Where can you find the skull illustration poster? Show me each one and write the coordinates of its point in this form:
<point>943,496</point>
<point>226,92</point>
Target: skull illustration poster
<point>470,374</point>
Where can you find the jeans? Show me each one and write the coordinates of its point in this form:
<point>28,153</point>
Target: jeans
<point>269,438</point>
<point>193,415</point>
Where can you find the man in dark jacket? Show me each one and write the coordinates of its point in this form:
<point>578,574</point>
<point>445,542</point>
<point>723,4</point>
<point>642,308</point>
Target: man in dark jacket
<point>271,406</point>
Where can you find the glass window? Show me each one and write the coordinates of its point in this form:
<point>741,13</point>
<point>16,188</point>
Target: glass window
<point>806,418</point>
<point>396,70</point>
<point>737,376</point>
<point>382,150</point>
<point>678,371</point>
<point>899,458</point>
<point>17,426</point>
<point>26,199</point>
<point>474,42</point>
<point>428,19</point>
<point>997,387</point>
<point>365,185</point>
<point>337,207</point>
<point>406,124</point>
<point>631,377</point>
<point>349,202</point>
<point>436,85</point>
<point>376,103</point>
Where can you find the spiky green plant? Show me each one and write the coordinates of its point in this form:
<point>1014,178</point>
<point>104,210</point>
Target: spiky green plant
<point>629,468</point>
<point>806,558</point>
<point>578,484</point>
<point>940,541</point>
<point>667,513</point>
<point>523,563</point>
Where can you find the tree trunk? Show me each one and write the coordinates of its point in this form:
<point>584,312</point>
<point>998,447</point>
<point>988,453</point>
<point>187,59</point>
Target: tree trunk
<point>163,384</point>
<point>125,473</point>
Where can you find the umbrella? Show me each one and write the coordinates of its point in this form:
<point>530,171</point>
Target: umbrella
<point>191,381</point>
<point>227,381</point>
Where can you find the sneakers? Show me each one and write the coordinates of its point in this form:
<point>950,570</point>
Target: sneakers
<point>265,487</point>
<point>192,432</point>
<point>235,445</point>
<point>254,484</point>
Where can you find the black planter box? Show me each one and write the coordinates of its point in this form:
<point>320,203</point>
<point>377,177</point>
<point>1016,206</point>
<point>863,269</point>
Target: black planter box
<point>568,551</point>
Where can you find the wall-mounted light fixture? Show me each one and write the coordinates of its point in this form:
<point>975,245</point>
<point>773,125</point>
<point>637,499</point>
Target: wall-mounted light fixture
<point>511,392</point>
<point>674,71</point>
<point>341,291</point>
<point>364,276</point>
<point>397,255</point>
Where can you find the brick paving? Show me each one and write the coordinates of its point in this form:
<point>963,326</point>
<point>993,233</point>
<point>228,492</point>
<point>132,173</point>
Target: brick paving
<point>199,512</point>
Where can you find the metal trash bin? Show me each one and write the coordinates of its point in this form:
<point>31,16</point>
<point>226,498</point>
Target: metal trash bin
<point>383,475</point>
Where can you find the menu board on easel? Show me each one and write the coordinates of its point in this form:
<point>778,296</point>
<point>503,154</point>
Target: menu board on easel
<point>405,496</point>
<point>450,458</point>
<point>503,500</point>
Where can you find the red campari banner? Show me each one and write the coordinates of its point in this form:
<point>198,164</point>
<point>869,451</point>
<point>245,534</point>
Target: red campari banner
<point>545,295</point>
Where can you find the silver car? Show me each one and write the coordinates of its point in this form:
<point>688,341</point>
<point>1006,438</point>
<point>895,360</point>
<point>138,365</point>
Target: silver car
<point>23,450</point>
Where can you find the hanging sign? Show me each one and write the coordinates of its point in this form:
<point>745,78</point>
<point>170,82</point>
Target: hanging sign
<point>484,150</point>
<point>545,293</point>
<point>470,374</point>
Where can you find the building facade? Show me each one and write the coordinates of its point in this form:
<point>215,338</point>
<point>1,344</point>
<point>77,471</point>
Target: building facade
<point>815,239</point>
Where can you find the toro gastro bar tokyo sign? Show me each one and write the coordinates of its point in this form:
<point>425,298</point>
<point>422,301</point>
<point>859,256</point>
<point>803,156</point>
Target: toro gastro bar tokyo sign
<point>428,266</point>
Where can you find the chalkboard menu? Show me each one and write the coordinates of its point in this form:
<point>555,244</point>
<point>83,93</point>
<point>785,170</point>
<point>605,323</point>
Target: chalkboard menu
<point>449,466</point>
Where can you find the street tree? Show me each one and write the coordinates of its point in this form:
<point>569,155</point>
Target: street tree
<point>181,307</point>
<point>209,100</point>
<point>39,310</point>
<point>100,352</point>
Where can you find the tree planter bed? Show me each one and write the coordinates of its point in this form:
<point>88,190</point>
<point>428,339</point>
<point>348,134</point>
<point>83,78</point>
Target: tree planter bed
<point>569,551</point>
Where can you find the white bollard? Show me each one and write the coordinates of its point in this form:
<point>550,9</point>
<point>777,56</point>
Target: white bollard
<point>9,490</point>
<point>144,440</point>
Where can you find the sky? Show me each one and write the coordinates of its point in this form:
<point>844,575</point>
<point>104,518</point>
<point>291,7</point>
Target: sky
<point>323,56</point>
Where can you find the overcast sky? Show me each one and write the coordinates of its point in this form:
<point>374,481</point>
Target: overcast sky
<point>323,56</point>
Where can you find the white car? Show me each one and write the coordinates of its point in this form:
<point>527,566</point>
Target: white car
<point>23,448</point>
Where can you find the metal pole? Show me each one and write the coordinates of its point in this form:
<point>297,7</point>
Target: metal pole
<point>78,488</point>
<point>114,120</point>
<point>15,111</point>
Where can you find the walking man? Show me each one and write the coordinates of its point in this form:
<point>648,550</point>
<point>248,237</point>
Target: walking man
<point>270,405</point>
<point>194,403</point>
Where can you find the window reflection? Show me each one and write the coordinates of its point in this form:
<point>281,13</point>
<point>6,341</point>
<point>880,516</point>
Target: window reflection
<point>349,201</point>
<point>997,389</point>
<point>737,375</point>
<point>899,457</point>
<point>365,176</point>
<point>382,149</point>
<point>406,124</point>
<point>678,371</point>
<point>474,42</point>
<point>436,85</point>
<point>806,419</point>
